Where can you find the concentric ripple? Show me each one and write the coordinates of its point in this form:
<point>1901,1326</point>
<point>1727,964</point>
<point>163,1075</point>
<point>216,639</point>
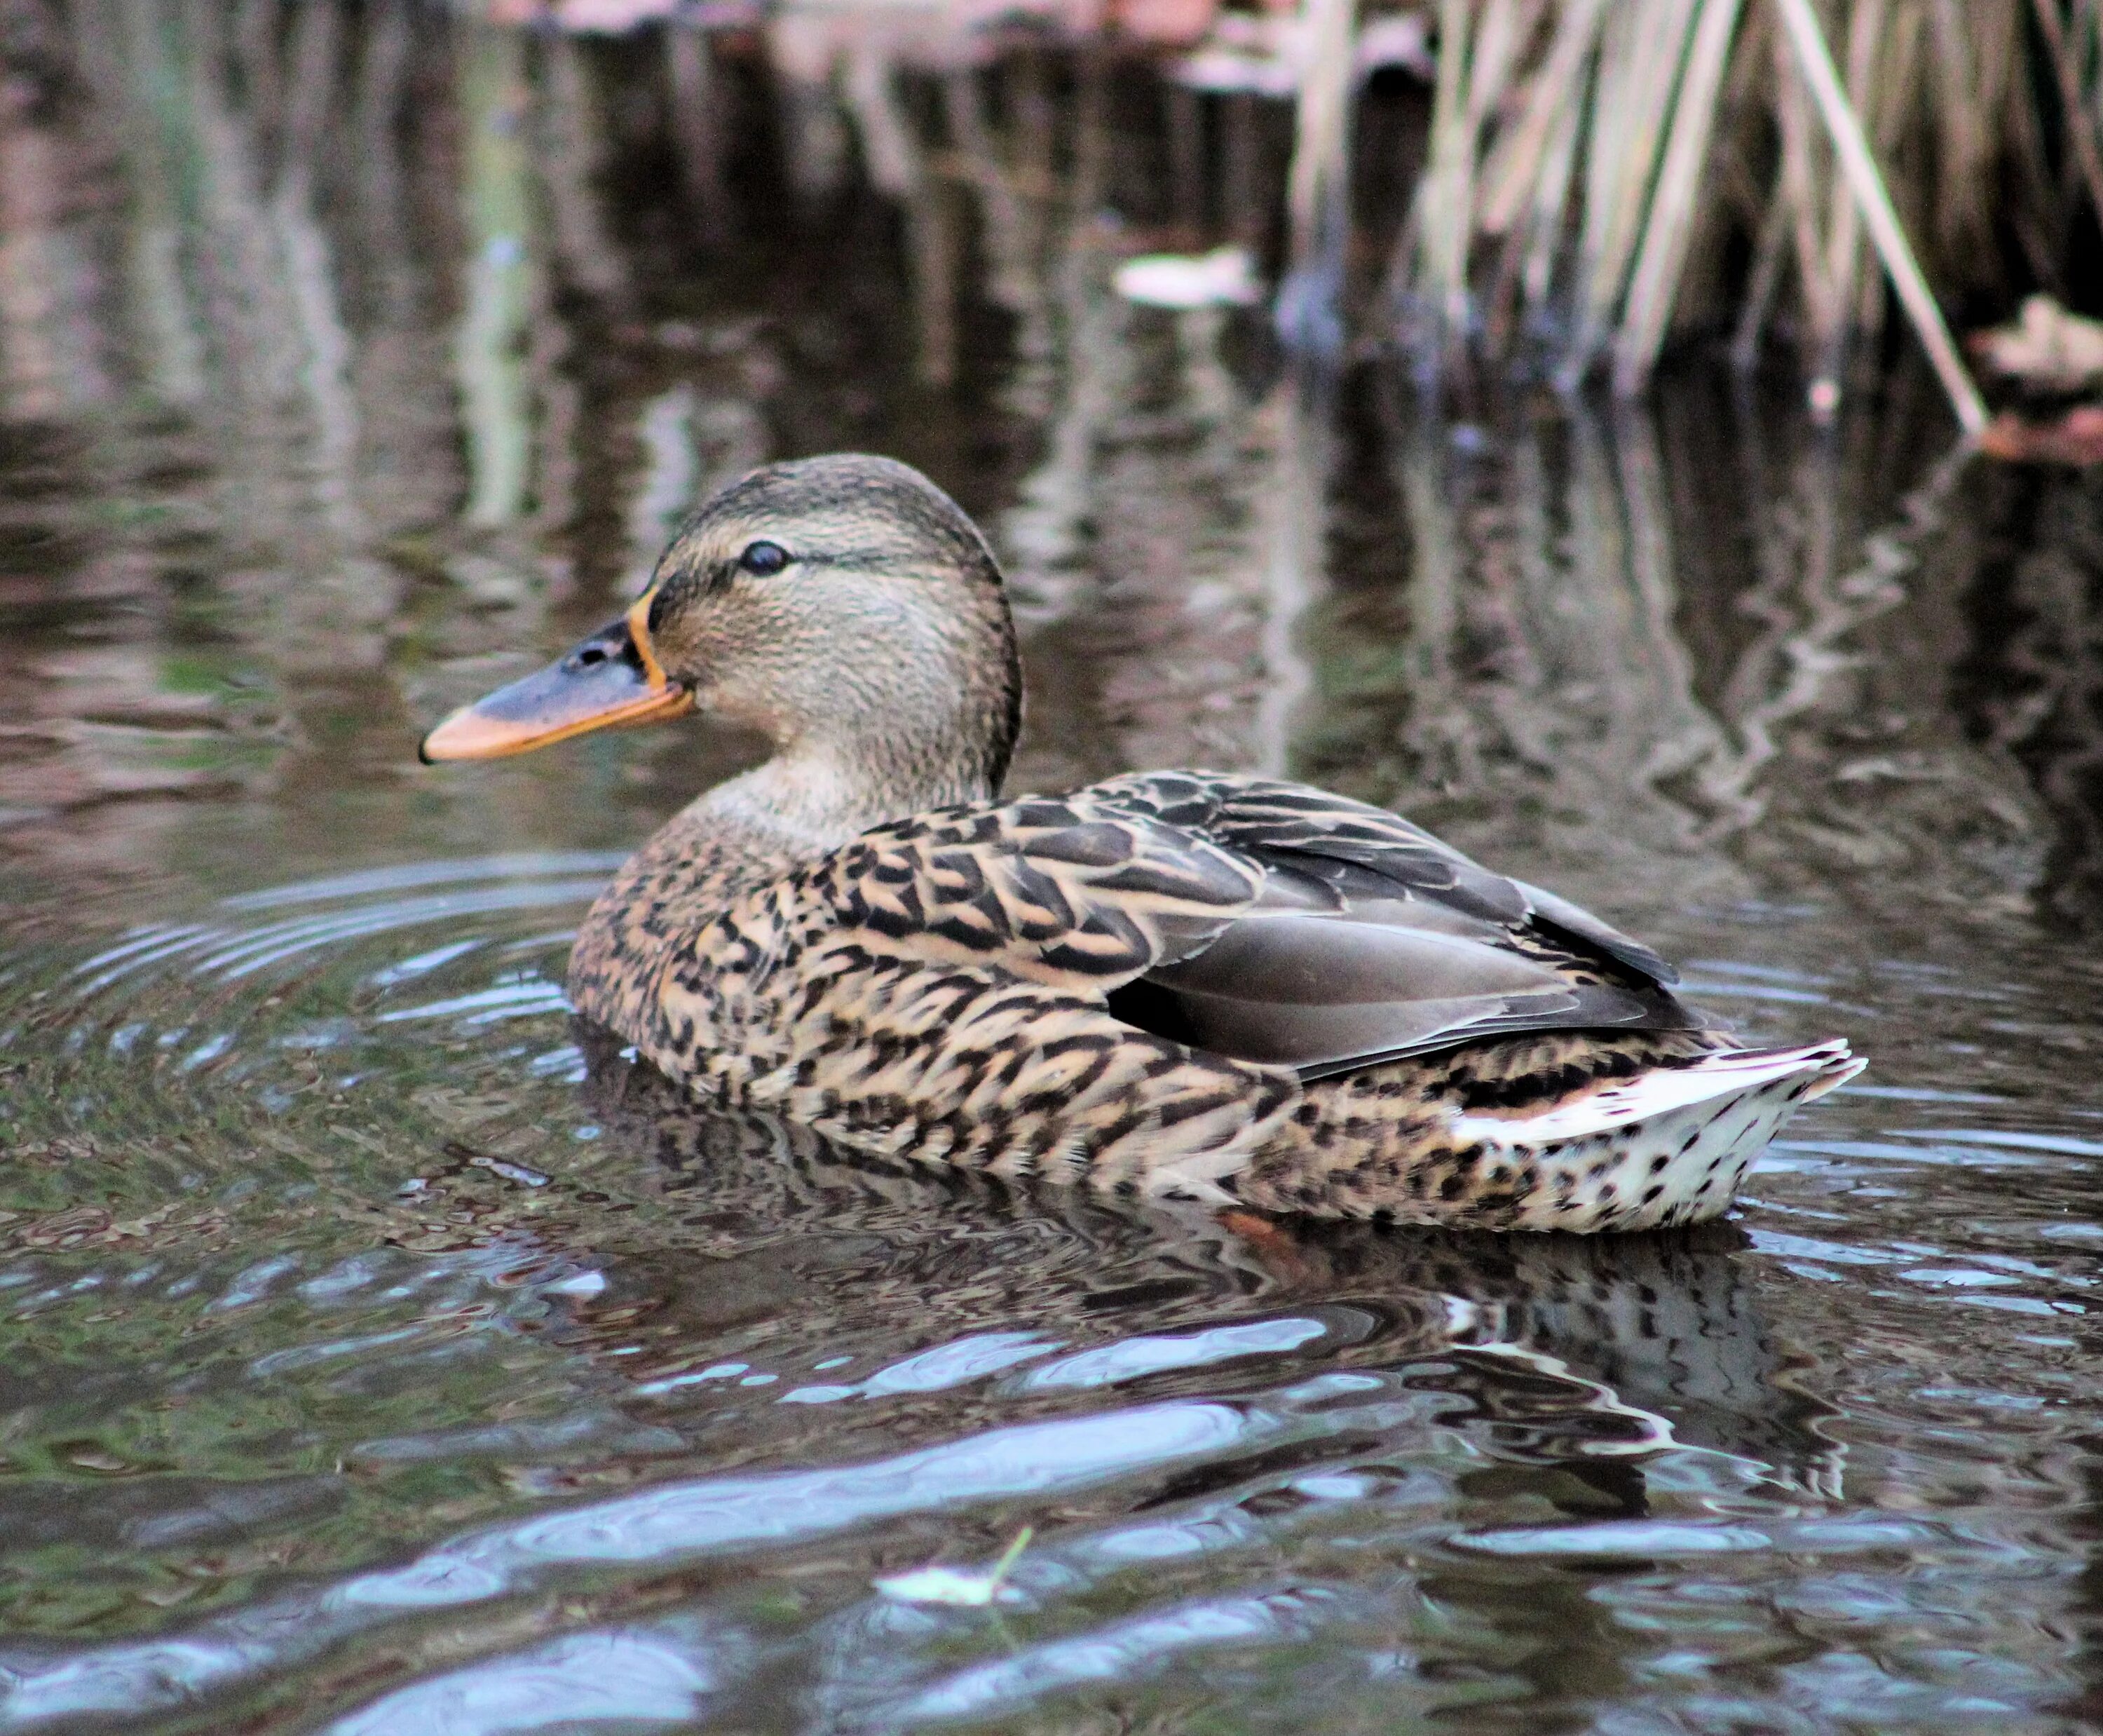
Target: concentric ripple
<point>349,980</point>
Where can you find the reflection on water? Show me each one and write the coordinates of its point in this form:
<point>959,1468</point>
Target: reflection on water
<point>383,1353</point>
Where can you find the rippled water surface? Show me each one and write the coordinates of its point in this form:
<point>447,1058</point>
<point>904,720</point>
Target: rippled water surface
<point>376,1359</point>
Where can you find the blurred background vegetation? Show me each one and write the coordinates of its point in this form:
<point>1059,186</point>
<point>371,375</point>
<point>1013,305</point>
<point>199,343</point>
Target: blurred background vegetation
<point>353,351</point>
<point>1559,188</point>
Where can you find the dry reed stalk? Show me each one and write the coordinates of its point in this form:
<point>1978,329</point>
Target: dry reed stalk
<point>1797,186</point>
<point>1444,195</point>
<point>1507,27</point>
<point>2066,51</point>
<point>1895,86</point>
<point>1476,81</point>
<point>1307,313</point>
<point>1321,164</point>
<point>1745,130</point>
<point>1551,198</point>
<point>1769,255</point>
<point>2087,37</point>
<point>1669,225</point>
<point>1973,51</point>
<point>1606,125</point>
<point>2037,220</point>
<point>1515,168</point>
<point>1612,152</point>
<point>1843,223</point>
<point>1859,168</point>
<point>1638,77</point>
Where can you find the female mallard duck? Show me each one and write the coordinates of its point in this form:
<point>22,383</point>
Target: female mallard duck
<point>1185,983</point>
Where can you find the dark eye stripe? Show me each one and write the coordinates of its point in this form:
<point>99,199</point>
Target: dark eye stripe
<point>763,558</point>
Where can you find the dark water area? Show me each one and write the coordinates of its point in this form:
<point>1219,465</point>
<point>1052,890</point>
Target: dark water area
<point>373,1359</point>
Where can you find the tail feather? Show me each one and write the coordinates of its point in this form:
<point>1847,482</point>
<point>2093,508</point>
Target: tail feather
<point>1669,1147</point>
<point>1710,1080</point>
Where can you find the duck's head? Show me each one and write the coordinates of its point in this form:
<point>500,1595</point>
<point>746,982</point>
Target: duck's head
<point>844,607</point>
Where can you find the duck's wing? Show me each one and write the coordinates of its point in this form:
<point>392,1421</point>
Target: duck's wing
<point>1318,833</point>
<point>1371,940</point>
<point>1260,920</point>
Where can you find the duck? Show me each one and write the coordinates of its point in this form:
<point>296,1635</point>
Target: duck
<point>1184,986</point>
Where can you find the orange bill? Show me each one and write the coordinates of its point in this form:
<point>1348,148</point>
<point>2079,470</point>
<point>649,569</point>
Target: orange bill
<point>611,680</point>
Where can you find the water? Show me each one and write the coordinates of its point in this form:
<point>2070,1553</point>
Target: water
<point>376,1359</point>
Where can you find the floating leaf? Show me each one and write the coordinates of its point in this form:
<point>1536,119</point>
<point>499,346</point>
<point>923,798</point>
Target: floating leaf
<point>967,1587</point>
<point>2047,348</point>
<point>1224,277</point>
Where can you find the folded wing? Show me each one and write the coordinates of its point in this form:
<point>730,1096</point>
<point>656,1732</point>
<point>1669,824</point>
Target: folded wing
<point>1262,921</point>
<point>1370,939</point>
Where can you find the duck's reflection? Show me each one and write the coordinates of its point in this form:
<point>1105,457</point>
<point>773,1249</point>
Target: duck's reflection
<point>1554,1350</point>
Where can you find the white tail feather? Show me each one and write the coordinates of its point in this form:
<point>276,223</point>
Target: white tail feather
<point>1711,1079</point>
<point>1669,1147</point>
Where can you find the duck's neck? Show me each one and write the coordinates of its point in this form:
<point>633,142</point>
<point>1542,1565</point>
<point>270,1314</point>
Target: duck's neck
<point>813,798</point>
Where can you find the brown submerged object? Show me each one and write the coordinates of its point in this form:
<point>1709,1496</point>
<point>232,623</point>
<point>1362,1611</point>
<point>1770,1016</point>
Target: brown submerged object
<point>1187,984</point>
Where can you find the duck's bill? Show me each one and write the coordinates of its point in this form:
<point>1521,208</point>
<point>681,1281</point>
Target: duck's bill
<point>611,680</point>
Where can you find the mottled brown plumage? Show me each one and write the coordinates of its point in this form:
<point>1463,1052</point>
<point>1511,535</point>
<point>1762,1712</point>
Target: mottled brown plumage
<point>1175,983</point>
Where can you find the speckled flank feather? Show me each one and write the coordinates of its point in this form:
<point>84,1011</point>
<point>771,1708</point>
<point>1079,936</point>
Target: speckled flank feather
<point>1668,1144</point>
<point>1178,984</point>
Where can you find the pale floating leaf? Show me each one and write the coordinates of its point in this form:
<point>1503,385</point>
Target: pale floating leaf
<point>966,1588</point>
<point>2047,348</point>
<point>1224,277</point>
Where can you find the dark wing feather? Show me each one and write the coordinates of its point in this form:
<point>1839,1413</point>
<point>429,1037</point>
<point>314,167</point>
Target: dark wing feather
<point>1581,924</point>
<point>1321,834</point>
<point>1370,939</point>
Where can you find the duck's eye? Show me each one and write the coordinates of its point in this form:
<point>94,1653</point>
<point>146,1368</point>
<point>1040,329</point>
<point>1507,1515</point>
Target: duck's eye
<point>763,558</point>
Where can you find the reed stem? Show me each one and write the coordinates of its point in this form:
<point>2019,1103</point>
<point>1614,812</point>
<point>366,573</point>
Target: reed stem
<point>1855,163</point>
<point>2080,123</point>
<point>1670,225</point>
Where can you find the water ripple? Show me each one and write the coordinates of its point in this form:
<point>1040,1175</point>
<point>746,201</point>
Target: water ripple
<point>674,1522</point>
<point>628,1680</point>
